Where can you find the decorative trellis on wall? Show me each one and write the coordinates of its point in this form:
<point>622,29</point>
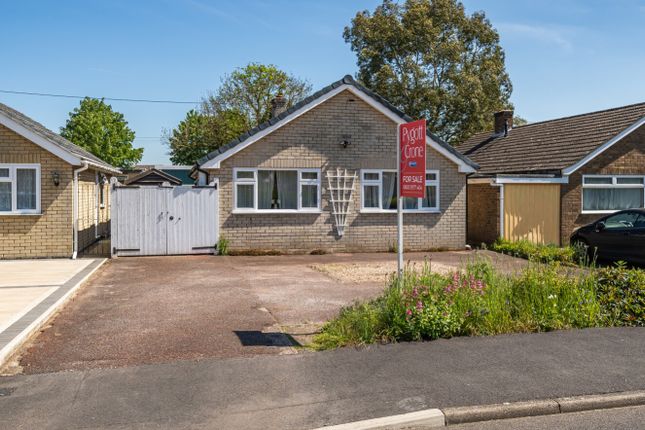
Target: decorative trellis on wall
<point>341,187</point>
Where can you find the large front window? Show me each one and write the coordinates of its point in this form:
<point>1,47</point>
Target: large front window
<point>612,193</point>
<point>379,192</point>
<point>270,190</point>
<point>19,188</point>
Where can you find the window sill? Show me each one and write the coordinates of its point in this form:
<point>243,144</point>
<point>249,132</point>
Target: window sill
<point>274,211</point>
<point>405,211</point>
<point>21,213</point>
<point>601,212</point>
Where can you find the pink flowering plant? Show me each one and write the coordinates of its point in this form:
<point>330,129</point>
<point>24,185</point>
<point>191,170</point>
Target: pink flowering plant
<point>475,300</point>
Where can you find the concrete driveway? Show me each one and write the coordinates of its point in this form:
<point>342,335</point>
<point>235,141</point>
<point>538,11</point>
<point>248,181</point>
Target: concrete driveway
<point>30,290</point>
<point>162,309</point>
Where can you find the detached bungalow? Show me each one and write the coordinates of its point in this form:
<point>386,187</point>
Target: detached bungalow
<point>54,195</point>
<point>541,181</point>
<point>322,176</point>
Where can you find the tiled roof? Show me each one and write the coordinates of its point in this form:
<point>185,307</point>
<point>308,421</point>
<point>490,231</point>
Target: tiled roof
<point>346,80</point>
<point>548,146</point>
<point>52,137</point>
<point>156,175</point>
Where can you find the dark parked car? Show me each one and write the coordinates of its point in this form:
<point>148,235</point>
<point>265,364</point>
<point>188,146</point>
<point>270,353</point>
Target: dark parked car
<point>619,236</point>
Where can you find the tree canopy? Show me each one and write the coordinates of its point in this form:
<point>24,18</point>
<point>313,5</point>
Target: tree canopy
<point>200,133</point>
<point>250,89</point>
<point>518,120</point>
<point>242,102</point>
<point>94,126</point>
<point>433,61</point>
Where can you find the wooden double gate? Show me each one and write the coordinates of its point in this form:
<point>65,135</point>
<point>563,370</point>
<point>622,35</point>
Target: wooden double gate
<point>164,220</point>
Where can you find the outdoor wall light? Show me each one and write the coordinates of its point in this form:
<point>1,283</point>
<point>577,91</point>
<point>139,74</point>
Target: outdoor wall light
<point>347,140</point>
<point>56,178</point>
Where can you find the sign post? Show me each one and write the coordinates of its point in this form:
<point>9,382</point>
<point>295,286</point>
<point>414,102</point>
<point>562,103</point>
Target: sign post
<point>411,175</point>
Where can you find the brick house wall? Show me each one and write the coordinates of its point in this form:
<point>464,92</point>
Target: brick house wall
<point>483,213</point>
<point>313,141</point>
<point>88,215</point>
<point>626,157</point>
<point>48,234</point>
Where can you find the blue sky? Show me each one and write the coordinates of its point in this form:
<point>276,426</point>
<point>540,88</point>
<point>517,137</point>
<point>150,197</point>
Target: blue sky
<point>564,56</point>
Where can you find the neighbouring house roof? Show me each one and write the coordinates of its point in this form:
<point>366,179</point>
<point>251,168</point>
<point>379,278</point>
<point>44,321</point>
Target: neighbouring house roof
<point>557,146</point>
<point>347,82</point>
<point>152,177</point>
<point>49,140</point>
<point>178,171</point>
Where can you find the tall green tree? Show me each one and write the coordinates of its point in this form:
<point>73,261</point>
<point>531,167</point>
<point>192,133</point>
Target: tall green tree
<point>93,125</point>
<point>432,60</point>
<point>250,89</point>
<point>518,120</point>
<point>200,133</point>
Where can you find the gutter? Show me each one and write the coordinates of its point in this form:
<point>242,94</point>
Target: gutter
<point>75,207</point>
<point>102,167</point>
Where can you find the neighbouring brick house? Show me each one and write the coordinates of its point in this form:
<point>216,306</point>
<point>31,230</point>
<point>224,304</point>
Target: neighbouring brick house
<point>276,181</point>
<point>548,178</point>
<point>48,186</point>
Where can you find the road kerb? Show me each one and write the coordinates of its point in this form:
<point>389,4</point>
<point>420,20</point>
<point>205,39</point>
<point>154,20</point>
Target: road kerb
<point>601,401</point>
<point>433,418</point>
<point>428,418</point>
<point>469,414</point>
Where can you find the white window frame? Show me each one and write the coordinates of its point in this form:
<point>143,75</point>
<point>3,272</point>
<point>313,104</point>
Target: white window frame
<point>614,184</point>
<point>254,182</point>
<point>379,183</point>
<point>12,179</point>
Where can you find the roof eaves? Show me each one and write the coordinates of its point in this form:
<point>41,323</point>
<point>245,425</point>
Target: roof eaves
<point>346,80</point>
<point>53,138</point>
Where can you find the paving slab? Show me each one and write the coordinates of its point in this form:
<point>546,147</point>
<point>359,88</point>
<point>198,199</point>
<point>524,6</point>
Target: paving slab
<point>31,291</point>
<point>15,302</point>
<point>17,273</point>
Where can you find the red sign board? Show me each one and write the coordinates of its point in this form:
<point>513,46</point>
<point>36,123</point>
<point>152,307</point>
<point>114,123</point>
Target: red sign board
<point>412,165</point>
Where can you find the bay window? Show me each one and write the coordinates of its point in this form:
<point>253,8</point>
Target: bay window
<point>379,191</point>
<point>605,193</point>
<point>273,190</point>
<point>19,189</point>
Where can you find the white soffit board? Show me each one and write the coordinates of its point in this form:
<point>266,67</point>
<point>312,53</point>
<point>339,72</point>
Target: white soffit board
<point>480,181</point>
<point>528,180</point>
<point>39,140</point>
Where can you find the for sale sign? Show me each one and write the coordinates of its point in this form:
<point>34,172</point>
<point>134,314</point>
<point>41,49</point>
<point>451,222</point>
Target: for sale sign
<point>412,163</point>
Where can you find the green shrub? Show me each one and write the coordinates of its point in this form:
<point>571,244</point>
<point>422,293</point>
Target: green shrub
<point>476,301</point>
<point>536,252</point>
<point>222,246</point>
<point>621,294</point>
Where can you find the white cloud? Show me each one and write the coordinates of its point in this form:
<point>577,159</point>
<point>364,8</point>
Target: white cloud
<point>550,35</point>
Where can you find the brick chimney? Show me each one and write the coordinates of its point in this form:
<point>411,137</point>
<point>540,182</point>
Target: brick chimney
<point>278,105</point>
<point>503,122</point>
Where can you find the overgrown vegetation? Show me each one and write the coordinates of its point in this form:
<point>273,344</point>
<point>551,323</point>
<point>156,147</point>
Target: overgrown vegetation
<point>222,246</point>
<point>536,252</point>
<point>479,300</point>
<point>621,294</point>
